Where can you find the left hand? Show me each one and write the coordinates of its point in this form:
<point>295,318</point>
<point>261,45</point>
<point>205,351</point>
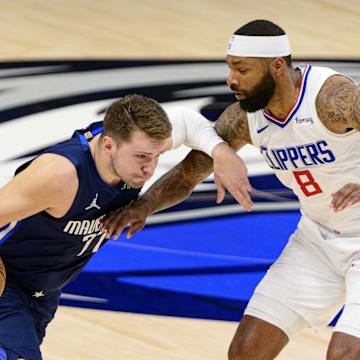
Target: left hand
<point>348,195</point>
<point>231,172</point>
<point>133,216</point>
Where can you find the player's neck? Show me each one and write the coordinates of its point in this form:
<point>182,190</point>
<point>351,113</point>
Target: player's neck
<point>285,95</point>
<point>103,163</point>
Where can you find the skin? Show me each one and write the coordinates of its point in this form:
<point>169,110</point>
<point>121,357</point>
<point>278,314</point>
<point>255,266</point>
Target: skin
<point>2,276</point>
<point>337,106</point>
<point>133,162</point>
<point>50,182</point>
<point>177,185</point>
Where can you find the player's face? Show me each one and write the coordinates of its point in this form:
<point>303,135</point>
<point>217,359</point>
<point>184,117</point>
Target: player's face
<point>251,81</point>
<point>136,160</point>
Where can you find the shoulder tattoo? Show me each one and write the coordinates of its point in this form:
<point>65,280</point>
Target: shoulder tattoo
<point>233,127</point>
<point>338,104</point>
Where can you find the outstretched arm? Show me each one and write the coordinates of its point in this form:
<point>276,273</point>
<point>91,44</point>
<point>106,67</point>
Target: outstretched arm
<point>176,185</point>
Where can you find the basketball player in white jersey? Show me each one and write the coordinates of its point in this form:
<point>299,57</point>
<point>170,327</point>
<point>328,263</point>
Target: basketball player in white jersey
<point>306,123</point>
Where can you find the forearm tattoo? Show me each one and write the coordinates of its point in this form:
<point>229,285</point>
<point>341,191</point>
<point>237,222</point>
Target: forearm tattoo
<point>177,184</point>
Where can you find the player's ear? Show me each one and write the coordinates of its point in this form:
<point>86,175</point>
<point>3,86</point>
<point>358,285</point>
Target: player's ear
<point>277,66</point>
<point>108,145</point>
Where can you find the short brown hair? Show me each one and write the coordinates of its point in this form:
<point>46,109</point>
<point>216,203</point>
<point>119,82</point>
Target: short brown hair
<point>134,112</point>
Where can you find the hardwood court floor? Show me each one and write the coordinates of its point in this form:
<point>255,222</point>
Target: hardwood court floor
<point>169,28</point>
<point>98,335</point>
<point>103,29</point>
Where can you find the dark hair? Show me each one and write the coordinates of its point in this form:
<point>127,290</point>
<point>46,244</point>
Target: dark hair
<point>134,112</point>
<point>263,28</point>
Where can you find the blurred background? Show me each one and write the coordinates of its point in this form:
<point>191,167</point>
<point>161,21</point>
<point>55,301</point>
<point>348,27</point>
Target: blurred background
<point>81,29</point>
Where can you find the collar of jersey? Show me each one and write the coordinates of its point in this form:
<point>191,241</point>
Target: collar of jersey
<point>84,139</point>
<point>85,142</point>
<point>294,109</point>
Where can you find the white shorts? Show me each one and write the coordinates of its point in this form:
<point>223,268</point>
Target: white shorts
<point>316,274</point>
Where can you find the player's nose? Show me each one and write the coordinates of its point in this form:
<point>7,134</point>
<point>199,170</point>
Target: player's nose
<point>232,80</point>
<point>150,167</point>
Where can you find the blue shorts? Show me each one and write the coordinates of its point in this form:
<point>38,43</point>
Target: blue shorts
<point>23,319</point>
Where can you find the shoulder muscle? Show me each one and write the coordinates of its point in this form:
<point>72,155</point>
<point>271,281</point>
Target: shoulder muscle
<point>338,104</point>
<point>45,184</point>
<point>232,126</point>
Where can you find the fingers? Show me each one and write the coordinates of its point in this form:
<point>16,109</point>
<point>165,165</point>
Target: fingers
<point>116,227</point>
<point>243,198</point>
<point>114,224</point>
<point>134,228</point>
<point>105,222</point>
<point>346,196</point>
<point>247,184</point>
<point>220,191</point>
<point>232,174</point>
<point>240,191</point>
<point>246,201</point>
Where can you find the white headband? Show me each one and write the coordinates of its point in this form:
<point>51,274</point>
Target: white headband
<point>258,46</point>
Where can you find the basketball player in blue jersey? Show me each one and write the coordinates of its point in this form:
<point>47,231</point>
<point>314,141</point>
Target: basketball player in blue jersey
<point>306,123</point>
<point>50,212</point>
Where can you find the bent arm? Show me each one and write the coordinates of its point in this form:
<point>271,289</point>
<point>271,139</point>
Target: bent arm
<point>176,185</point>
<point>192,129</point>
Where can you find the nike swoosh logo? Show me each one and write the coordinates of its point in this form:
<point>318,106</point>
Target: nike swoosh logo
<point>262,129</point>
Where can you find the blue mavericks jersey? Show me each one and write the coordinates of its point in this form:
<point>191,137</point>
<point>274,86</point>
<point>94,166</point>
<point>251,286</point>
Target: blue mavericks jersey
<point>43,253</point>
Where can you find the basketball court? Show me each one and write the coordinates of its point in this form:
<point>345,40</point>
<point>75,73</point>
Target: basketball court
<point>178,288</point>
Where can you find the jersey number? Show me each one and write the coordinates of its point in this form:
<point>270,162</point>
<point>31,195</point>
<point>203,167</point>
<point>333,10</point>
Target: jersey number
<point>307,183</point>
<point>88,240</point>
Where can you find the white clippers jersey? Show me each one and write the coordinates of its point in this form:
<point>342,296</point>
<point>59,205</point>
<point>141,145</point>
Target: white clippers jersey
<point>307,157</point>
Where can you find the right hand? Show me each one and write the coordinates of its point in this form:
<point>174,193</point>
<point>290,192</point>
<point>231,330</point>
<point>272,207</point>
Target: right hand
<point>134,216</point>
<point>348,195</point>
<point>230,172</point>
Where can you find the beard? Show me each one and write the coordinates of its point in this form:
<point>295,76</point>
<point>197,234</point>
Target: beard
<point>260,95</point>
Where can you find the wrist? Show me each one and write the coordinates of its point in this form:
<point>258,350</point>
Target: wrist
<point>220,150</point>
<point>144,204</point>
